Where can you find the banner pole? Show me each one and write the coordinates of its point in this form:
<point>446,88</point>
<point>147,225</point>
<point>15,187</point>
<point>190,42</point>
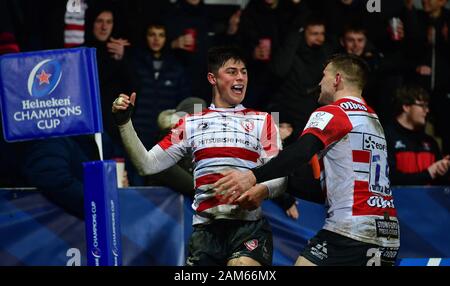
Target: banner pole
<point>98,141</point>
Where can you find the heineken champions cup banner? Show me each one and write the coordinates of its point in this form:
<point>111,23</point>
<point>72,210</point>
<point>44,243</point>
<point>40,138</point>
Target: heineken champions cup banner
<point>49,93</point>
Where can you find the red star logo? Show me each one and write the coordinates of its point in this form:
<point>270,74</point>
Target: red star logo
<point>43,77</point>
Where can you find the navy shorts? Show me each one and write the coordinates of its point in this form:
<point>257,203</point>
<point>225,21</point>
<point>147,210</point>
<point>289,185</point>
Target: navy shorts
<point>216,243</point>
<point>331,249</point>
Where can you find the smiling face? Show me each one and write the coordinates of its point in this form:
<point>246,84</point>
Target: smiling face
<point>315,36</point>
<point>103,26</point>
<point>229,84</point>
<point>354,43</point>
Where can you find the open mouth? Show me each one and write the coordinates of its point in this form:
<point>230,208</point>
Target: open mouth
<point>237,88</point>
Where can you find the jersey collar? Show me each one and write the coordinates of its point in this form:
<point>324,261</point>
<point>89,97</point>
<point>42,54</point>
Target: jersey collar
<point>238,107</point>
<point>358,99</point>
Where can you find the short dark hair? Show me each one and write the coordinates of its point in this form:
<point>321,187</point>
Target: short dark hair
<point>157,25</point>
<point>354,29</point>
<point>408,95</point>
<point>218,56</point>
<point>314,20</point>
<point>355,70</point>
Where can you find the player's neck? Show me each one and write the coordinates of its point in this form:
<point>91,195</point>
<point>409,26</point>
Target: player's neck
<point>347,93</point>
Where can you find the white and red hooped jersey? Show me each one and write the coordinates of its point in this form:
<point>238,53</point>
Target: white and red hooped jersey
<point>221,139</point>
<point>355,172</point>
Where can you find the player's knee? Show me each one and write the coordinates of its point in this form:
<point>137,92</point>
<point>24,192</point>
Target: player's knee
<point>301,261</point>
<point>243,261</point>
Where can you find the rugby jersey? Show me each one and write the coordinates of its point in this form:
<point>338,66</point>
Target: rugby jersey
<point>219,139</point>
<point>355,172</point>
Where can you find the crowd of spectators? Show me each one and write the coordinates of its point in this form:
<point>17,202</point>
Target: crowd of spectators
<point>158,49</point>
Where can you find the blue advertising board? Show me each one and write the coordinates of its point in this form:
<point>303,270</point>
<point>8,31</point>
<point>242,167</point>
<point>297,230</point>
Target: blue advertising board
<point>102,217</point>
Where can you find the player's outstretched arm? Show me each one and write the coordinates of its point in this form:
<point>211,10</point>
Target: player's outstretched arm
<point>146,162</point>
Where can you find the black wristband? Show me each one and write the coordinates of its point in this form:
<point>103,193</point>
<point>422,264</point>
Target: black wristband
<point>123,116</point>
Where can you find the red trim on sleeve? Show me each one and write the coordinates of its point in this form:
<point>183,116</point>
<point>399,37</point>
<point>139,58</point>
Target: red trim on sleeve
<point>175,136</point>
<point>335,129</point>
<point>269,137</point>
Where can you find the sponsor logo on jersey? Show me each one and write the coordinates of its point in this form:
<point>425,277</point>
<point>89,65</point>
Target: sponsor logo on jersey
<point>350,105</point>
<point>380,202</point>
<point>248,125</point>
<point>251,244</point>
<point>319,119</point>
<point>374,143</point>
<point>203,126</point>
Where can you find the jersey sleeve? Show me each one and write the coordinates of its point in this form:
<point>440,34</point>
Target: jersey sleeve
<point>329,124</point>
<point>174,143</point>
<point>270,139</point>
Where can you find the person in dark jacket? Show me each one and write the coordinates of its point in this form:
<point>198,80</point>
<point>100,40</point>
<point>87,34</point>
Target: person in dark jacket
<point>55,167</point>
<point>299,61</point>
<point>160,80</point>
<point>187,27</point>
<point>112,68</point>
<point>431,51</point>
<point>414,157</point>
<point>261,31</point>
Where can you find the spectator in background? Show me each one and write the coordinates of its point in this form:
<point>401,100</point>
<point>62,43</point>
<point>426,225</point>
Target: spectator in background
<point>354,42</point>
<point>139,14</point>
<point>300,62</point>
<point>414,156</point>
<point>260,34</point>
<point>432,58</point>
<point>112,69</point>
<point>187,26</point>
<point>64,27</point>
<point>160,80</point>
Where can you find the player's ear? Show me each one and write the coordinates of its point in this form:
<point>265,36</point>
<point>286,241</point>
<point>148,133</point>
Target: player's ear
<point>211,78</point>
<point>406,108</point>
<point>337,79</point>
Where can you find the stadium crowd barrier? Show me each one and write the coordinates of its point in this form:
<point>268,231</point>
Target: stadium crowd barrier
<point>156,225</point>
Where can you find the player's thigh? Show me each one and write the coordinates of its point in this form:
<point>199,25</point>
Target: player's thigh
<point>252,240</point>
<point>301,261</point>
<point>243,261</point>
